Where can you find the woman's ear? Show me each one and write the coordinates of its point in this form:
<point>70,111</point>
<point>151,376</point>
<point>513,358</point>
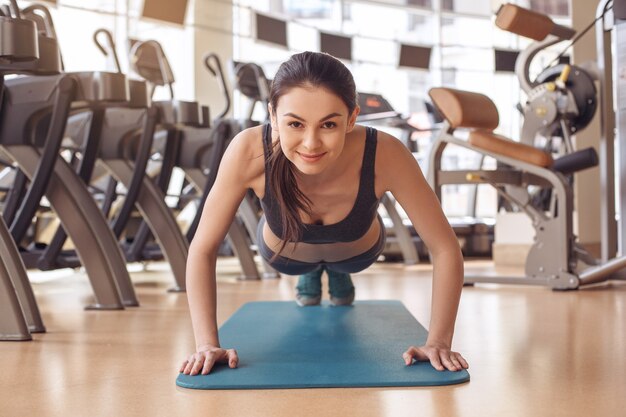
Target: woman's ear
<point>352,118</point>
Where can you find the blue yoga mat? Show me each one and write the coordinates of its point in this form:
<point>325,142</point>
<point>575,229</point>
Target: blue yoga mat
<point>281,345</point>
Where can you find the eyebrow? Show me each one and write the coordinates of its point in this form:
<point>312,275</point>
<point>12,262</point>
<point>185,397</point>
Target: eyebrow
<point>329,116</point>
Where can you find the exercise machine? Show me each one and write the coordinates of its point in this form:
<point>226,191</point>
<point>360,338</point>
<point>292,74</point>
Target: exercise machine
<point>34,113</point>
<point>562,99</point>
<point>555,259</point>
<point>196,145</point>
<point>19,313</point>
<point>120,140</point>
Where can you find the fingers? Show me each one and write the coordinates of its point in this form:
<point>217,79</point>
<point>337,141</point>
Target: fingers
<point>447,363</point>
<point>203,362</point>
<point>189,364</point>
<point>233,358</point>
<point>198,362</point>
<point>414,353</point>
<point>209,361</point>
<point>453,361</point>
<point>197,366</point>
<point>461,360</point>
<point>409,355</point>
<point>440,359</point>
<point>435,360</point>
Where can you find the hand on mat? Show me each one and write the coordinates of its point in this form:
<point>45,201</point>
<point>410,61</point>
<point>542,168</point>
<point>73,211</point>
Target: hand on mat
<point>440,357</point>
<point>203,360</point>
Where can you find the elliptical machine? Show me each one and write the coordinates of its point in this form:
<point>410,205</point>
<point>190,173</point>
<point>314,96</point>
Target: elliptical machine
<point>19,313</point>
<point>34,113</point>
<point>199,146</point>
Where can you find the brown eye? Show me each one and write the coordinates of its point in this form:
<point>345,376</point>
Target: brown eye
<point>329,125</point>
<point>294,124</point>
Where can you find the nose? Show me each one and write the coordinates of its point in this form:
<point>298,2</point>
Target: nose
<point>310,140</point>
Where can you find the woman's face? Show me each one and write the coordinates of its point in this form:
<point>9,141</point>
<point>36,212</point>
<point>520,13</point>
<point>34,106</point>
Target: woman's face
<point>312,123</point>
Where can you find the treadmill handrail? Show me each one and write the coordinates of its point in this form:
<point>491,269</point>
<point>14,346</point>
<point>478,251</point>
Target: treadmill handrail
<point>219,73</point>
<point>111,52</point>
<point>47,18</point>
<point>378,116</point>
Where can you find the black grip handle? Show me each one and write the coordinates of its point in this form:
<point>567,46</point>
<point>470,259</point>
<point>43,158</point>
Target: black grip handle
<point>576,161</point>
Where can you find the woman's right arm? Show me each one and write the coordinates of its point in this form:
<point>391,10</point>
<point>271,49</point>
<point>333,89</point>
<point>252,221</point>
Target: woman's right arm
<point>235,174</point>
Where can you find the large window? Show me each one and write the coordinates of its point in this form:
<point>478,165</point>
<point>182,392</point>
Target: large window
<point>76,20</point>
<point>552,7</point>
<point>476,7</point>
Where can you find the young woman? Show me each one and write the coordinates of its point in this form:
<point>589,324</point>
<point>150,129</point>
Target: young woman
<point>320,177</point>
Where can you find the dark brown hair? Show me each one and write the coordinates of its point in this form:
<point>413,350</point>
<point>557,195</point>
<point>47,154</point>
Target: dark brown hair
<point>318,70</point>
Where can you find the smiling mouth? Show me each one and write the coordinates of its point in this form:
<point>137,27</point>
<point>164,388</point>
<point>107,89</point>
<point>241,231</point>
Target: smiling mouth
<point>311,157</point>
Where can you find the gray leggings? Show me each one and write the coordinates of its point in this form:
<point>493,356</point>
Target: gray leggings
<point>293,267</point>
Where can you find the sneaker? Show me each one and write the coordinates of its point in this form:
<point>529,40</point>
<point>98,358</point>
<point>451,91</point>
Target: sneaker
<point>309,288</point>
<point>341,288</point>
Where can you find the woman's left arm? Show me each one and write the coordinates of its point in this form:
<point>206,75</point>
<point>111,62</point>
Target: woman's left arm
<point>397,171</point>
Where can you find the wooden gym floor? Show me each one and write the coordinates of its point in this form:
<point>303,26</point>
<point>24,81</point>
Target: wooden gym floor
<point>532,352</point>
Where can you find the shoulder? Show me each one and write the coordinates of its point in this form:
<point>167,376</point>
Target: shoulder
<point>248,142</point>
<point>393,162</point>
<point>245,152</point>
<point>388,148</point>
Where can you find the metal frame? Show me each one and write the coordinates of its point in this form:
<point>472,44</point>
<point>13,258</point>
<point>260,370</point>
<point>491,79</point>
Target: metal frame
<point>118,125</point>
<point>554,259</point>
<point>19,314</point>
